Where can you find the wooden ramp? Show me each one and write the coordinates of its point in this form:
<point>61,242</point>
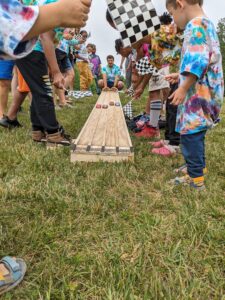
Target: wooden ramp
<point>105,136</point>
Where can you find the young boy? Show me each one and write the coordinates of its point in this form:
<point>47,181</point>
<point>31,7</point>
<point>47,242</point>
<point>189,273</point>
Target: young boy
<point>200,92</point>
<point>82,62</point>
<point>96,61</point>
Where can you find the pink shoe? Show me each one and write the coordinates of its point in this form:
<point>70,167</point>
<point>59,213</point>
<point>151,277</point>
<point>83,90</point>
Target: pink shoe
<point>166,151</point>
<point>158,144</point>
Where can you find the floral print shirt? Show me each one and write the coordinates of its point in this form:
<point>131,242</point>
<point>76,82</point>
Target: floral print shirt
<point>165,47</point>
<point>16,20</point>
<point>201,56</point>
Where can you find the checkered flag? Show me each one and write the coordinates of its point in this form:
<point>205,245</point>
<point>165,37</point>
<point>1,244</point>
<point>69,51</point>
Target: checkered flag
<point>128,110</point>
<point>144,67</point>
<point>134,19</point>
<point>78,36</point>
<point>80,94</point>
<point>131,91</point>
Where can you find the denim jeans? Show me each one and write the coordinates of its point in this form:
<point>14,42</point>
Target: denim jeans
<point>193,150</point>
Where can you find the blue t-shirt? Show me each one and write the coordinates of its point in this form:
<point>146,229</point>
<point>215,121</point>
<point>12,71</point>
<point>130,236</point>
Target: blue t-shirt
<point>111,72</point>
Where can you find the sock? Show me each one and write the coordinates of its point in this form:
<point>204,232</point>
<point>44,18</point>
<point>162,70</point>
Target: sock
<point>155,110</point>
<point>199,181</point>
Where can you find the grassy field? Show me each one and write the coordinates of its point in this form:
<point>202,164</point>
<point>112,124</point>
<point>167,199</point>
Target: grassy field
<point>110,231</point>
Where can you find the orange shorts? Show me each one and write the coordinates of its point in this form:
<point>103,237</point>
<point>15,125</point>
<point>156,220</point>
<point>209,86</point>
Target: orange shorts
<point>22,85</point>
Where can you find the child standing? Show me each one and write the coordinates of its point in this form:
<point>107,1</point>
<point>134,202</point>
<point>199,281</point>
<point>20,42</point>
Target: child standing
<point>96,71</point>
<point>82,61</point>
<point>200,92</point>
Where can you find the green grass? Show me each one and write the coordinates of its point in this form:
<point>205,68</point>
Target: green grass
<point>110,231</point>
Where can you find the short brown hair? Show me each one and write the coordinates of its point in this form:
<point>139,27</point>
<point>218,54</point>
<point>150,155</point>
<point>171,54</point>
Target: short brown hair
<point>191,2</point>
<point>110,57</point>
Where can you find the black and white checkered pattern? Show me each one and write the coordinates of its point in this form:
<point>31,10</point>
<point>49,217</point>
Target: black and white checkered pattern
<point>134,19</point>
<point>80,94</point>
<point>130,91</point>
<point>128,110</point>
<point>78,36</point>
<point>144,67</point>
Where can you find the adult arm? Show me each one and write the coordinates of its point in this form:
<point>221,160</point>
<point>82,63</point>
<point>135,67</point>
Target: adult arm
<point>47,41</point>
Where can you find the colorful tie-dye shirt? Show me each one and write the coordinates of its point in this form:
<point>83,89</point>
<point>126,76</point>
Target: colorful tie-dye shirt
<point>201,56</point>
<point>16,20</point>
<point>111,72</point>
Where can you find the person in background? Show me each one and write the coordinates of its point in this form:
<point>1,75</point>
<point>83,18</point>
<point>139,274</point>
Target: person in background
<point>97,69</point>
<point>65,65</point>
<point>82,61</point>
<point>111,76</point>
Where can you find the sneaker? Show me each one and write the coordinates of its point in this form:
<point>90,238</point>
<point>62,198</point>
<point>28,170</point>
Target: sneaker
<point>38,136</point>
<point>185,180</point>
<point>149,132</point>
<point>59,138</point>
<point>197,187</point>
<point>166,151</point>
<point>10,124</point>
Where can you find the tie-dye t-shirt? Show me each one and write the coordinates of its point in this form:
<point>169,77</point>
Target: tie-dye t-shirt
<point>16,20</point>
<point>201,56</point>
<point>111,73</point>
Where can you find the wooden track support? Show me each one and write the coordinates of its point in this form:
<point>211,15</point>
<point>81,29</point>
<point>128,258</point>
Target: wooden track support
<point>105,136</point>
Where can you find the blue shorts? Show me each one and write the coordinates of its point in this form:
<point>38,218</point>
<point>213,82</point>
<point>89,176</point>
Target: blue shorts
<point>6,69</point>
<point>63,61</point>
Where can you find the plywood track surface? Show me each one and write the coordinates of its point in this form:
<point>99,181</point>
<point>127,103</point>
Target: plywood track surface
<point>105,135</point>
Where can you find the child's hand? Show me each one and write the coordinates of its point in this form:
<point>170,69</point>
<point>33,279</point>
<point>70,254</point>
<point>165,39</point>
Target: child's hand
<point>178,96</point>
<point>73,13</point>
<point>172,78</point>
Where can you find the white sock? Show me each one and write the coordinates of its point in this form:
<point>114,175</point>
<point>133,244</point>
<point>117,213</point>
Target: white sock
<point>155,110</point>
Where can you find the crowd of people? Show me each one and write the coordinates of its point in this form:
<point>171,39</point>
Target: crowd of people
<point>40,54</point>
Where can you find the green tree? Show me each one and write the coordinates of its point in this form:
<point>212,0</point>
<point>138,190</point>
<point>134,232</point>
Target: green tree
<point>221,34</point>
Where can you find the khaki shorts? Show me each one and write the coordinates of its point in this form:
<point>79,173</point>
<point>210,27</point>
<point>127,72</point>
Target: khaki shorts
<point>161,83</point>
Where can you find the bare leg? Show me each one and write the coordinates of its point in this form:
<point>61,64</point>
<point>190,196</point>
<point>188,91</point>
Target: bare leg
<point>61,94</point>
<point>147,108</point>
<point>69,79</point>
<point>16,103</point>
<point>4,94</point>
<point>14,83</point>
